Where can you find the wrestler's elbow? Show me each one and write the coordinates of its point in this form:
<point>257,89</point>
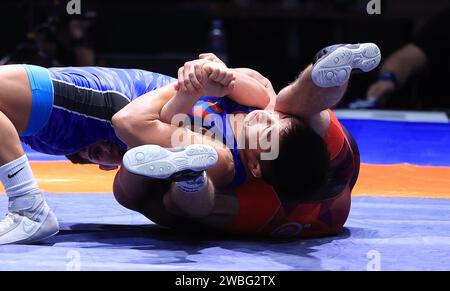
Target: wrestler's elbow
<point>127,126</point>
<point>122,122</point>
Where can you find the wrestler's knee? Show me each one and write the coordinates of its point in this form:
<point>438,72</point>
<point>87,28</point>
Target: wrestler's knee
<point>118,191</point>
<point>138,193</point>
<point>122,193</point>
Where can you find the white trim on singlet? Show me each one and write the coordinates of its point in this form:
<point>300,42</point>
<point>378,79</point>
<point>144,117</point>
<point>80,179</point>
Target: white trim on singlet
<point>82,114</point>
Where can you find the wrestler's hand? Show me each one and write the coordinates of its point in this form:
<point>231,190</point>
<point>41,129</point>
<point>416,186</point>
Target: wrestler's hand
<point>190,77</point>
<point>205,78</point>
<point>211,57</point>
<point>221,80</point>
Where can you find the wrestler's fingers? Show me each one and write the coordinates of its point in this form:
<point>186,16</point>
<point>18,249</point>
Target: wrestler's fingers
<point>213,72</point>
<point>207,56</point>
<point>181,79</point>
<point>231,86</point>
<point>199,72</point>
<point>187,82</point>
<point>227,79</point>
<point>189,87</point>
<point>211,57</point>
<point>221,77</point>
<point>193,78</point>
<point>208,68</point>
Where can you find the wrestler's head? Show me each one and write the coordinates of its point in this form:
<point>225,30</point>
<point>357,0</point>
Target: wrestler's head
<point>106,154</point>
<point>302,163</point>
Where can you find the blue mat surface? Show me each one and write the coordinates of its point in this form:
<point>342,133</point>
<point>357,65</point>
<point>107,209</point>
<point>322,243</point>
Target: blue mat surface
<point>389,142</point>
<point>99,234</point>
<point>411,234</point>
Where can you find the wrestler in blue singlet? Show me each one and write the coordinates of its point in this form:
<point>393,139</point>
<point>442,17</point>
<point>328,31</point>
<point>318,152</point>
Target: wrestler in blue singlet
<point>77,109</point>
<point>72,107</point>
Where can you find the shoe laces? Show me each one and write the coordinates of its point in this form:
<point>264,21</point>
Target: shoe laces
<point>8,221</point>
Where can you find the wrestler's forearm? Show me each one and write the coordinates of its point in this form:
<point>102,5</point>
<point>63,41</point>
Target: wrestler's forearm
<point>247,91</point>
<point>151,103</point>
<point>256,76</point>
<point>259,94</point>
<point>140,112</point>
<point>181,103</point>
<point>250,90</point>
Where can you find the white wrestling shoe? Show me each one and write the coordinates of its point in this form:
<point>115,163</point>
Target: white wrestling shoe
<point>29,220</point>
<point>334,64</point>
<point>177,164</point>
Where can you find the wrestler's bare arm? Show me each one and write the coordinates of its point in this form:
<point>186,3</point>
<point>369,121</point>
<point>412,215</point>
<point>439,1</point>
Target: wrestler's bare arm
<point>263,81</point>
<point>258,92</point>
<point>196,79</point>
<point>138,123</point>
<point>205,78</point>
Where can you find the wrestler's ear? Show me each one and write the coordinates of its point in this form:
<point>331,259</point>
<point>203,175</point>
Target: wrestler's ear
<point>255,169</point>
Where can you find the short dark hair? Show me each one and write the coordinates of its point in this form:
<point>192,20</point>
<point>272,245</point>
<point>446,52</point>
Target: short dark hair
<point>77,159</point>
<point>302,165</point>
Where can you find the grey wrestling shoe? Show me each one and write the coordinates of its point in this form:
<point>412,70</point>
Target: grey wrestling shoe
<point>30,220</point>
<point>177,164</point>
<point>333,65</point>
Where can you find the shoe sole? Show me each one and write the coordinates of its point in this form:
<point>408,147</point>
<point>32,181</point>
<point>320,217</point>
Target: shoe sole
<point>335,69</point>
<point>160,163</point>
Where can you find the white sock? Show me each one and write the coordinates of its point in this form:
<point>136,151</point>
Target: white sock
<point>17,178</point>
<point>194,185</point>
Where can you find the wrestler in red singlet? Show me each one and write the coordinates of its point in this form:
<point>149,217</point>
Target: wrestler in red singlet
<point>323,213</point>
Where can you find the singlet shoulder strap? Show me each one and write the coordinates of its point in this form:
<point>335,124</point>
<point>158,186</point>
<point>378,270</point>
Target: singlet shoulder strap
<point>240,175</point>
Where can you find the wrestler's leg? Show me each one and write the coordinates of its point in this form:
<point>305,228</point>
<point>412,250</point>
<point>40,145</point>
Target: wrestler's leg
<point>143,195</point>
<point>26,202</point>
<point>317,97</point>
<point>167,203</point>
<point>189,189</point>
<point>15,108</point>
<point>322,85</point>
